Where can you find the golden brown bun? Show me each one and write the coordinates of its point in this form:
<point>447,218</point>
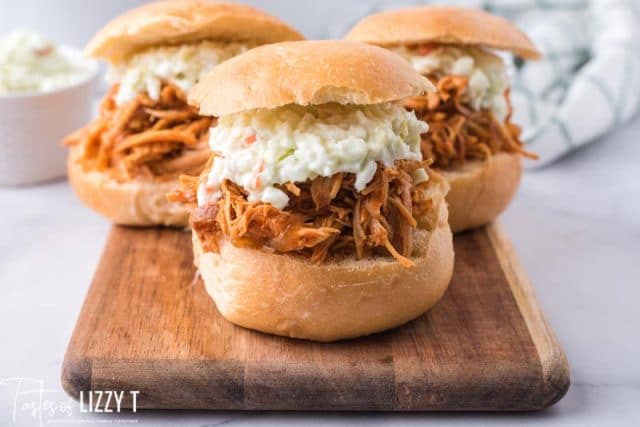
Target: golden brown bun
<point>480,191</point>
<point>286,295</point>
<point>186,21</point>
<point>307,73</point>
<point>131,203</point>
<point>438,24</point>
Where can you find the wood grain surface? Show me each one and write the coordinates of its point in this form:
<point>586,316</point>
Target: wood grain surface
<point>148,325</point>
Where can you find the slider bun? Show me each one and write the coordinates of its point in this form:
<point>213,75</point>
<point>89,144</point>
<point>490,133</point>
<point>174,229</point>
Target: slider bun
<point>186,21</point>
<point>286,295</point>
<point>481,190</point>
<point>447,25</point>
<point>130,203</point>
<point>307,73</point>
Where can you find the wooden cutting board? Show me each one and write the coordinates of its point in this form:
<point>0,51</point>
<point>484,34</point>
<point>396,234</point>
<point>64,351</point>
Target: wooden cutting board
<point>148,325</point>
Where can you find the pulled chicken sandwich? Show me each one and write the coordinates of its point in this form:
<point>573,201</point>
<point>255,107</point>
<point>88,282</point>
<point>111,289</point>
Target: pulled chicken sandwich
<point>146,134</point>
<point>317,216</point>
<point>471,139</point>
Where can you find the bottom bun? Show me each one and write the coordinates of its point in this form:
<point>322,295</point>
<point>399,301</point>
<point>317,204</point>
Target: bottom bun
<point>286,295</point>
<point>126,203</point>
<point>481,190</point>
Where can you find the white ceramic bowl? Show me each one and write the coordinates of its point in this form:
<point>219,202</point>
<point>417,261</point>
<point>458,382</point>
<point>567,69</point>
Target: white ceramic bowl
<point>33,125</point>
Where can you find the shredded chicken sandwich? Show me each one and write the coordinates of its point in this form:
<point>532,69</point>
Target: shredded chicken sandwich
<point>145,139</point>
<point>457,133</point>
<point>325,216</point>
<point>316,182</point>
<point>470,115</point>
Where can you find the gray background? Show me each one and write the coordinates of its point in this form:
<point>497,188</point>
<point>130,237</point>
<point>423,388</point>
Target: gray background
<point>74,21</point>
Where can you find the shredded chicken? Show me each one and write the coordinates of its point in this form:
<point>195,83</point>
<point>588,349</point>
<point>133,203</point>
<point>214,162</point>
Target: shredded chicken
<point>457,133</point>
<point>326,216</point>
<point>145,139</point>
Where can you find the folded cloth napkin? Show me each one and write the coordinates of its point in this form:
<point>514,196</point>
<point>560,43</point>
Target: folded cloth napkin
<point>588,82</point>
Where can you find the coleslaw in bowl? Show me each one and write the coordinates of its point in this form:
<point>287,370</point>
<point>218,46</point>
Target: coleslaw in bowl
<point>31,64</point>
<point>41,101</point>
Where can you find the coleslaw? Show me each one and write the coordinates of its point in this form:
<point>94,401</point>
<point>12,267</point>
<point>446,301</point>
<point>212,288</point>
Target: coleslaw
<point>31,63</point>
<point>181,65</point>
<point>487,73</point>
<point>263,148</point>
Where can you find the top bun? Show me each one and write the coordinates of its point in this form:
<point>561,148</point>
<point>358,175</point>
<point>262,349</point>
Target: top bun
<point>448,25</point>
<point>307,73</point>
<point>186,21</point>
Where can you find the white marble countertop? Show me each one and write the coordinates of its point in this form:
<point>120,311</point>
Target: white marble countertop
<point>575,225</point>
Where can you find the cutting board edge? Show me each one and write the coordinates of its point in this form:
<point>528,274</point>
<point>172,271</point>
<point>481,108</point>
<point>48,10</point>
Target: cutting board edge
<point>76,374</point>
<point>556,374</point>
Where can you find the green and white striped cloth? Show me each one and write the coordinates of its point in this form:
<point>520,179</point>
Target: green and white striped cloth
<point>588,82</point>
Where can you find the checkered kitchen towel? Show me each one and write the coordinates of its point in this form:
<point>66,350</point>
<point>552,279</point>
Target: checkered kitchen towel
<point>588,83</point>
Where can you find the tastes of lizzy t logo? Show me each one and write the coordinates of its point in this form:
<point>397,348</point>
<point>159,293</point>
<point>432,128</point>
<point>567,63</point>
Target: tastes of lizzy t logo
<point>31,403</point>
<point>107,401</point>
